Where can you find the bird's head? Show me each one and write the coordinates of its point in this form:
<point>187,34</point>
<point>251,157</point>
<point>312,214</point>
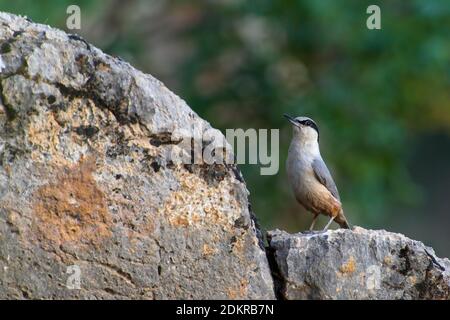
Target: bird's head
<point>305,129</point>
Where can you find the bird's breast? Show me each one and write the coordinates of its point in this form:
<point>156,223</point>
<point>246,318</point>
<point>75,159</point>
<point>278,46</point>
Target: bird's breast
<point>300,172</point>
<point>308,190</point>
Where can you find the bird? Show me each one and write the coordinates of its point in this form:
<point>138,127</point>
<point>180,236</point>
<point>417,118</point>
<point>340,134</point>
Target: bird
<point>308,175</point>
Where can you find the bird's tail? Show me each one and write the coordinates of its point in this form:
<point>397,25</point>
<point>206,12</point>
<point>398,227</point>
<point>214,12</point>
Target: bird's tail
<point>342,221</point>
<point>344,224</point>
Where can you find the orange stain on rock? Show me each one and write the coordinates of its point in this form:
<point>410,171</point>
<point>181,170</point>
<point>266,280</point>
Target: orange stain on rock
<point>240,292</point>
<point>349,266</point>
<point>73,208</point>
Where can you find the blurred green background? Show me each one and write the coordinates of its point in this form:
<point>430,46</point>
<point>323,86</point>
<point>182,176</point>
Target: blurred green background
<point>381,97</point>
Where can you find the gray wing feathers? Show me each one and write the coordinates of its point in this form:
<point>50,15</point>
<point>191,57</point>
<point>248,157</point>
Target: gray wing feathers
<point>323,175</point>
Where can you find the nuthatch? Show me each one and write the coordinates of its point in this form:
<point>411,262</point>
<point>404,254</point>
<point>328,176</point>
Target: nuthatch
<point>309,176</point>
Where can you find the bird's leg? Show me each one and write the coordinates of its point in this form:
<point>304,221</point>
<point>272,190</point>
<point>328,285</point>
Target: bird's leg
<point>328,224</point>
<point>313,222</point>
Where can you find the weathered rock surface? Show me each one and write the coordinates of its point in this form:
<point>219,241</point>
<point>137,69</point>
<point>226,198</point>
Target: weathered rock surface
<point>86,180</point>
<point>358,264</point>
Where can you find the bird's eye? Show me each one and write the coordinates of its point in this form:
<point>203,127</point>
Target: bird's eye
<point>307,123</point>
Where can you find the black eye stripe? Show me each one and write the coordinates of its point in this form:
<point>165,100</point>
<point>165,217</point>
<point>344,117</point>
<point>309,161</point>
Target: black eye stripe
<point>309,123</point>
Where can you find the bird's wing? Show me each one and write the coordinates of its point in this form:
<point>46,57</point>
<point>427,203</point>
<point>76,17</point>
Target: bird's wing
<point>323,175</point>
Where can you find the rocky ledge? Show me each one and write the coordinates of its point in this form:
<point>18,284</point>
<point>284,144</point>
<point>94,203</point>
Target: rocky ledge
<point>357,264</point>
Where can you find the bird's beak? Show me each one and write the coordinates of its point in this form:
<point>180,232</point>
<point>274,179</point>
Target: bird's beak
<point>290,119</point>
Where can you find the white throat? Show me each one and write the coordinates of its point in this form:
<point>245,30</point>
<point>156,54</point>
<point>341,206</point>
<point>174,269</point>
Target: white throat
<point>306,141</point>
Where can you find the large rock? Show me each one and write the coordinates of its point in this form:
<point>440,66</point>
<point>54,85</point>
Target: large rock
<point>358,264</point>
<point>88,187</point>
